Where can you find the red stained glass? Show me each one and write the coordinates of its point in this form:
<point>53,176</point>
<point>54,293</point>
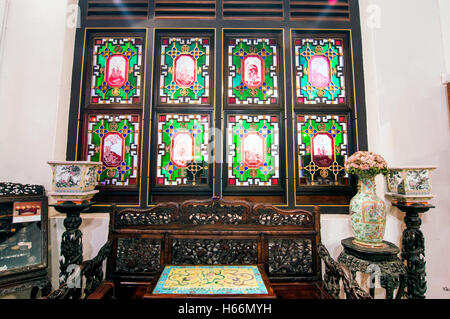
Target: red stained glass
<point>117,70</point>
<point>319,71</point>
<point>134,119</point>
<point>322,150</point>
<point>182,149</point>
<point>184,70</point>
<point>113,149</point>
<point>253,150</point>
<point>253,68</point>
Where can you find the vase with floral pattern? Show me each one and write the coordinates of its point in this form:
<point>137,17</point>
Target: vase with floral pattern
<point>368,214</point>
<point>367,210</point>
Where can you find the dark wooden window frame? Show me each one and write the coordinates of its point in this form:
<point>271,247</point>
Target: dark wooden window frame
<point>331,201</point>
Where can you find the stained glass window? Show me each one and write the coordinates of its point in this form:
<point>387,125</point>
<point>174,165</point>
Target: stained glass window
<point>253,150</point>
<point>319,74</point>
<point>322,149</point>
<point>182,154</point>
<point>252,71</point>
<point>185,70</point>
<point>117,70</point>
<point>114,141</point>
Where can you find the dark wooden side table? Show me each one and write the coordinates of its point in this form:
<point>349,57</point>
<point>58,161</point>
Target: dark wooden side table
<point>383,262</point>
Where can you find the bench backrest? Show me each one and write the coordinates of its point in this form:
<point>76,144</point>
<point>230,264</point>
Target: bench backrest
<point>214,231</point>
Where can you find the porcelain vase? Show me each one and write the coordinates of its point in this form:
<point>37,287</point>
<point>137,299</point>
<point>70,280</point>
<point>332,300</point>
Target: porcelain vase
<point>368,214</point>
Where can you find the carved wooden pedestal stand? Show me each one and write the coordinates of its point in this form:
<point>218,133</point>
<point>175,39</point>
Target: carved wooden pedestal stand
<point>413,249</point>
<point>71,240</point>
<point>382,262</point>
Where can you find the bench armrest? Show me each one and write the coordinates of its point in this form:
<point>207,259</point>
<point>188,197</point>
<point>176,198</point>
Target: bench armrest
<point>106,290</point>
<point>92,269</point>
<point>334,273</point>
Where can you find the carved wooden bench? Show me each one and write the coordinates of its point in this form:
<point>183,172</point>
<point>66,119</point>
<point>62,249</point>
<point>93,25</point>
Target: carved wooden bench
<point>142,241</point>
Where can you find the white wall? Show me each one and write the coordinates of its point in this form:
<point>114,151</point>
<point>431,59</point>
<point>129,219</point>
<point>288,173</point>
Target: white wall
<point>407,111</point>
<point>444,8</point>
<point>408,120</point>
<point>36,54</point>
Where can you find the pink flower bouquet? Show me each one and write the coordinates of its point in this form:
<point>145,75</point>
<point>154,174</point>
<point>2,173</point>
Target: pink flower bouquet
<point>366,164</point>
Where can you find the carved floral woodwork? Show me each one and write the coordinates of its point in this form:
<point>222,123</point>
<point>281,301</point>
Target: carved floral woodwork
<point>137,255</point>
<point>210,251</point>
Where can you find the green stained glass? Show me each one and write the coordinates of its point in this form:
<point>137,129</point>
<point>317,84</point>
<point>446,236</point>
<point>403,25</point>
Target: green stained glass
<point>320,71</point>
<point>113,141</point>
<point>253,157</point>
<point>185,70</point>
<point>182,149</point>
<point>323,149</point>
<point>253,71</point>
<point>117,64</point>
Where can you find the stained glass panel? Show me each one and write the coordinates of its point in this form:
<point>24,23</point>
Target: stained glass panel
<point>117,71</point>
<point>182,157</point>
<point>253,150</point>
<point>252,71</point>
<point>320,71</point>
<point>322,149</point>
<point>185,70</point>
<point>114,141</point>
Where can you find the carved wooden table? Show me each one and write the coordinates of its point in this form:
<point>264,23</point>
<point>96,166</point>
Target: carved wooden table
<point>211,281</point>
<point>383,262</point>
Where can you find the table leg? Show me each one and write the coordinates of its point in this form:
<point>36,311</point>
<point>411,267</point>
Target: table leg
<point>372,286</point>
<point>389,283</point>
<point>401,288</point>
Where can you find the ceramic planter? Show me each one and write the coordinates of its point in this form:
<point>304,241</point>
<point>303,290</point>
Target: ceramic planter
<point>73,180</point>
<point>368,214</point>
<point>414,180</point>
